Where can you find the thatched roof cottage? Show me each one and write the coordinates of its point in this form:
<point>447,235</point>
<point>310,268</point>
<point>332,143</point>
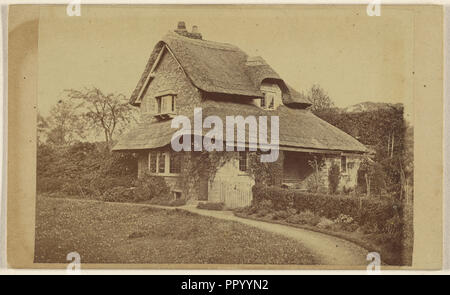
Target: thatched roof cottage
<point>186,72</point>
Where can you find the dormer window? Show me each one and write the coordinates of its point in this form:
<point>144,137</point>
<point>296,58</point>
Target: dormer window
<point>272,96</point>
<point>165,104</point>
<point>268,101</point>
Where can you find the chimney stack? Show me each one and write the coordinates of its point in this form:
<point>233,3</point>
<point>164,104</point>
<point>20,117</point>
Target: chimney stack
<point>181,30</point>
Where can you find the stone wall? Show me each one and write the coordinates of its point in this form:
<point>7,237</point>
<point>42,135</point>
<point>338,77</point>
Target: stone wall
<point>173,181</point>
<point>348,179</point>
<point>306,175</point>
<point>169,76</point>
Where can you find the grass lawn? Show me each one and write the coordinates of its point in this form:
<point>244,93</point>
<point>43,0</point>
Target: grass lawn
<point>122,233</point>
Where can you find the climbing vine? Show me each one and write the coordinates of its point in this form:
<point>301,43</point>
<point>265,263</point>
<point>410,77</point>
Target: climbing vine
<point>201,166</point>
<point>267,173</point>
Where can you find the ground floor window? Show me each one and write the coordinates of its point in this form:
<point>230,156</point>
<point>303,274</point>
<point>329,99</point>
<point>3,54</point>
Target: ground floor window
<point>243,162</point>
<point>161,162</point>
<point>152,162</point>
<point>175,163</point>
<point>158,161</point>
<point>343,164</point>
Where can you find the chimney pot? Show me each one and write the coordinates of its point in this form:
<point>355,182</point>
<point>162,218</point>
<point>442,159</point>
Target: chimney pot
<point>194,29</point>
<point>181,25</point>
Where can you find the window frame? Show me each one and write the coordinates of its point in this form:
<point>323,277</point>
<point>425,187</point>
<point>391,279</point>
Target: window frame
<point>344,164</point>
<point>159,103</point>
<point>174,158</point>
<point>242,158</point>
<point>267,102</point>
<point>163,156</point>
<point>262,102</point>
<point>166,168</point>
<point>152,156</point>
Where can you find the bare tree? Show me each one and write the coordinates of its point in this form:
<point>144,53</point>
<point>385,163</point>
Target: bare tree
<point>63,125</point>
<point>319,99</point>
<point>107,113</point>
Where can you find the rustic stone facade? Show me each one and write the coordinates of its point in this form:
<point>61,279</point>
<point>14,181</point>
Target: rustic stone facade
<point>198,186</point>
<point>169,76</point>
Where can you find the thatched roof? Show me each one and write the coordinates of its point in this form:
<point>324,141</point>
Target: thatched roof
<point>299,128</point>
<point>219,68</point>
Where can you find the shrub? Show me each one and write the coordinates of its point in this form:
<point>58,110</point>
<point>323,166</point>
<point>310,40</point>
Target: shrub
<point>309,217</point>
<point>334,174</point>
<point>281,214</point>
<point>49,184</point>
<point>305,217</point>
<point>345,222</point>
<point>325,223</point>
<point>262,212</point>
<point>280,198</point>
<point>345,219</point>
<point>150,186</point>
<point>210,206</point>
<point>166,201</point>
<point>374,212</point>
<point>177,203</point>
<point>118,194</point>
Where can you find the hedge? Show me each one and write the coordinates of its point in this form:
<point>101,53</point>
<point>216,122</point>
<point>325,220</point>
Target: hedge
<point>365,211</point>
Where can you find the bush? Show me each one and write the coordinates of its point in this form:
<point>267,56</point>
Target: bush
<point>49,184</point>
<point>374,212</point>
<point>166,201</point>
<point>334,174</point>
<point>280,198</point>
<point>150,186</point>
<point>83,169</point>
<point>177,203</point>
<point>284,214</point>
<point>305,217</point>
<point>210,206</point>
<point>119,194</point>
<point>325,223</point>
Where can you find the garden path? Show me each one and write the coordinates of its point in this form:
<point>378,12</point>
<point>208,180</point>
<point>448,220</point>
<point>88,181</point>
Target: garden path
<point>329,250</point>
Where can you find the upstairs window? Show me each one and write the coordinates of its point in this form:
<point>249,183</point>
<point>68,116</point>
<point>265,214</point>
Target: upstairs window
<point>243,162</point>
<point>268,101</point>
<point>263,101</point>
<point>271,96</point>
<point>165,104</point>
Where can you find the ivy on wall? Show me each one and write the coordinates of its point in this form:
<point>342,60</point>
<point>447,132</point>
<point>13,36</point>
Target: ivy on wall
<point>267,173</point>
<point>200,166</point>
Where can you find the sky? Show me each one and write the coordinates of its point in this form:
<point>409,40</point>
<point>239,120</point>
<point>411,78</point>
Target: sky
<point>353,56</point>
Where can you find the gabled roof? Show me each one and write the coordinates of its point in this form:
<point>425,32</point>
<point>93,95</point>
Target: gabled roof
<point>218,68</point>
<point>298,129</point>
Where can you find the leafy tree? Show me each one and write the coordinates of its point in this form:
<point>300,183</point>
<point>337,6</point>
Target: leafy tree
<point>319,99</point>
<point>63,125</point>
<point>105,113</point>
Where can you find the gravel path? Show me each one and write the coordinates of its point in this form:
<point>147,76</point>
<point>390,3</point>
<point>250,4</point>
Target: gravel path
<point>328,250</point>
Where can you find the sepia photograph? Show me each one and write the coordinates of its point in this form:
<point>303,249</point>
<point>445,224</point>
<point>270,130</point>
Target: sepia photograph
<point>224,136</point>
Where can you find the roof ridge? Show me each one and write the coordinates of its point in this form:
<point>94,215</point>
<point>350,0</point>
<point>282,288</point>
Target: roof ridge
<point>202,42</point>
